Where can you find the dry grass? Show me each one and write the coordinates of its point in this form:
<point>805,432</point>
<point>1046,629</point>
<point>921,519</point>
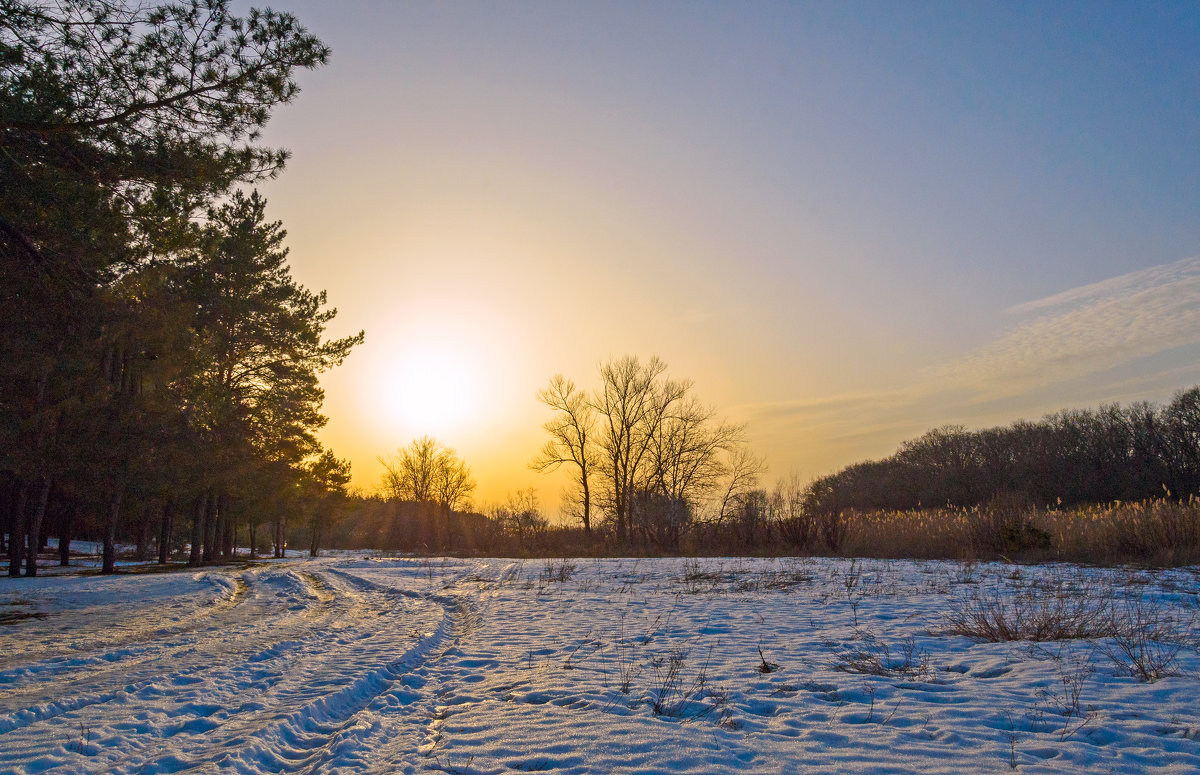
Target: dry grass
<point>1160,532</point>
<point>924,533</point>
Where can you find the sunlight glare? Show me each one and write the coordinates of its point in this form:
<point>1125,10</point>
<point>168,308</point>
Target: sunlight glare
<point>431,391</point>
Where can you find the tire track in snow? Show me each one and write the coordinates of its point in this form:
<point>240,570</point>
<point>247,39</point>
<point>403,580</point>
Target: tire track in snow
<point>418,733</point>
<point>449,679</point>
<point>139,646</point>
<point>74,679</point>
<point>187,660</point>
<point>302,736</point>
<point>330,729</point>
<point>125,640</point>
<point>246,710</point>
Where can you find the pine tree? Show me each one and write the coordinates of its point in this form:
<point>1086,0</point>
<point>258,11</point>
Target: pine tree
<point>252,391</point>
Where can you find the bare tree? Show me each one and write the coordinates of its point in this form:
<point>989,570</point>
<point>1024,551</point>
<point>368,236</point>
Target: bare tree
<point>643,447</point>
<point>742,472</point>
<point>409,474</point>
<point>520,516</point>
<point>632,401</point>
<point>432,476</point>
<point>686,454</point>
<point>661,519</point>
<point>426,472</point>
<point>453,483</point>
<point>572,440</point>
<point>795,524</point>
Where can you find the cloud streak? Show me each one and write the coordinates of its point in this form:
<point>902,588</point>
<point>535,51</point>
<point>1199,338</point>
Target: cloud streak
<point>1086,331</point>
<point>1136,335</point>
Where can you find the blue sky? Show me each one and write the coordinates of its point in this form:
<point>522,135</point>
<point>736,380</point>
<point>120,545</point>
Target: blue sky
<point>838,218</point>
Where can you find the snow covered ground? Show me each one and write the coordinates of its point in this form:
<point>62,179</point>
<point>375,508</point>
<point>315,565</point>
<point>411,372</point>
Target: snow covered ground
<point>350,664</point>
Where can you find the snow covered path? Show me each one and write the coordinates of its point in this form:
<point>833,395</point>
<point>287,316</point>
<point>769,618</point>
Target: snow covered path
<point>351,664</point>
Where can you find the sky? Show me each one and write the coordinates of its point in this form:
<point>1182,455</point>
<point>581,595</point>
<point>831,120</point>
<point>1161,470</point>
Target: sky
<point>846,222</point>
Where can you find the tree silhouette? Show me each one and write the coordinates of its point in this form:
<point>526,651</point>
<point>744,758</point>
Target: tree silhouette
<point>572,441</point>
<point>121,123</point>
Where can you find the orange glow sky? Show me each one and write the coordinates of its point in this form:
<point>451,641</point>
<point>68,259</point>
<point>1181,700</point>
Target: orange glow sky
<point>846,222</point>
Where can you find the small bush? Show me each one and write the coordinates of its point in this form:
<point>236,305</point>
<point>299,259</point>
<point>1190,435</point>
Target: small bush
<point>1147,639</point>
<point>833,526</point>
<point>875,657</point>
<point>674,695</point>
<point>1005,525</point>
<point>1027,616</point>
<point>559,571</point>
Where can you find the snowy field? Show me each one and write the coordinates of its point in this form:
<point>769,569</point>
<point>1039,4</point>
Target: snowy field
<point>349,664</point>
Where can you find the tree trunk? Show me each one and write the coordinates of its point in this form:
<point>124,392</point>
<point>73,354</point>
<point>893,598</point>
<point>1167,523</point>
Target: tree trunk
<point>228,542</point>
<point>279,547</point>
<point>110,530</point>
<point>210,527</point>
<point>622,523</point>
<point>451,528</point>
<point>69,520</point>
<point>164,530</point>
<point>314,546</point>
<point>587,509</point>
<point>210,514</point>
<point>229,529</point>
<point>218,529</point>
<point>253,539</point>
<point>16,531</point>
<point>35,527</point>
<point>143,536</point>
<point>194,558</point>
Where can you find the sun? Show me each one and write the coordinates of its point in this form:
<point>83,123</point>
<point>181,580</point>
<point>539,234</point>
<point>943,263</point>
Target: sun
<point>430,390</point>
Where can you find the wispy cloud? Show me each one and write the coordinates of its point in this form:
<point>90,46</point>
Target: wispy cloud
<point>1133,336</point>
<point>1087,330</point>
<point>1115,287</point>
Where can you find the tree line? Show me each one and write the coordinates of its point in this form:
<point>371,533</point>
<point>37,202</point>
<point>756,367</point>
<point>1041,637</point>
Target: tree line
<point>653,470</point>
<point>158,362</point>
<point>1072,457</point>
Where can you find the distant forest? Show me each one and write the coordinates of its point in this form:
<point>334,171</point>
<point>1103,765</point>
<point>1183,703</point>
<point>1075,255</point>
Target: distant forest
<point>1116,483</point>
<point>1083,456</point>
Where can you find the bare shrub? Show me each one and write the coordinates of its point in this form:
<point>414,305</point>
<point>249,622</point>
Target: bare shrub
<point>764,666</point>
<point>792,573</point>
<point>559,571</point>
<point>675,695</point>
<point>1064,698</point>
<point>627,650</point>
<point>875,657</point>
<point>833,526</point>
<point>1064,615</point>
<point>796,525</point>
<point>1147,639</point>
<point>697,579</point>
